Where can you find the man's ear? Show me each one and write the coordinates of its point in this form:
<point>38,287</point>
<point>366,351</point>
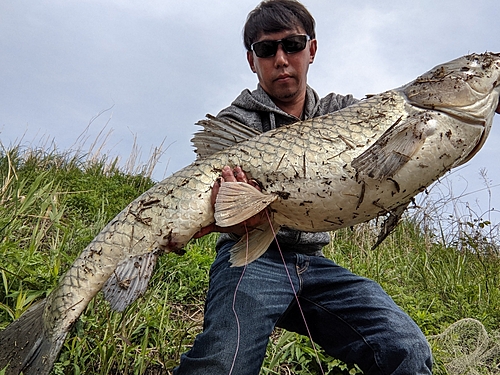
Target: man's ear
<point>250,61</point>
<point>313,48</point>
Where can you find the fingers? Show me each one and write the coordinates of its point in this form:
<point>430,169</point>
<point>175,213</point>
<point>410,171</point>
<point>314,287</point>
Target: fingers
<point>238,229</point>
<point>255,184</point>
<point>233,175</point>
<point>228,174</point>
<point>215,190</point>
<point>205,230</point>
<point>240,175</point>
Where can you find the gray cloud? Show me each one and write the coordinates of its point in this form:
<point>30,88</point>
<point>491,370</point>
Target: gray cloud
<point>162,65</point>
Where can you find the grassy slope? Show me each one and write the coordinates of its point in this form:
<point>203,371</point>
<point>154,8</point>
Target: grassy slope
<point>53,205</point>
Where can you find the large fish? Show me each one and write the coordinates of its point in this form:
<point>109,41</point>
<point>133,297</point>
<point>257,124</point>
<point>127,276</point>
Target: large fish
<point>318,175</point>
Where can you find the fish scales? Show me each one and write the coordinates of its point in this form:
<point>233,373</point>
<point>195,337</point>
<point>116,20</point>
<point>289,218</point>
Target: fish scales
<point>310,164</point>
<point>318,175</point>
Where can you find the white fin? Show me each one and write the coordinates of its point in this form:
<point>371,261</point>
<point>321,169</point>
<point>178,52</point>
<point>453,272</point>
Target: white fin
<point>259,239</point>
<point>219,134</point>
<point>239,201</point>
<point>129,281</point>
<point>395,147</point>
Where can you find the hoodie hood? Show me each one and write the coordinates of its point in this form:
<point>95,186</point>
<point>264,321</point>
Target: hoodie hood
<point>258,101</point>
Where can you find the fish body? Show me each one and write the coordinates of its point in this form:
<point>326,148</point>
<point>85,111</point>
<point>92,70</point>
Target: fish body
<point>318,175</point>
<point>318,185</point>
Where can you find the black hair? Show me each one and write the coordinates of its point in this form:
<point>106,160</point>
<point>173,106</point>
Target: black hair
<point>272,16</point>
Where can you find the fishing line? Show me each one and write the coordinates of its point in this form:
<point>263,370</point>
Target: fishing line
<point>294,293</point>
<point>238,328</point>
<point>296,297</point>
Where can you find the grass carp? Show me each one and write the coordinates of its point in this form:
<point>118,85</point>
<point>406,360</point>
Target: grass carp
<point>322,174</point>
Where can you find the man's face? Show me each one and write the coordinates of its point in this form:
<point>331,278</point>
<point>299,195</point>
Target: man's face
<point>283,76</point>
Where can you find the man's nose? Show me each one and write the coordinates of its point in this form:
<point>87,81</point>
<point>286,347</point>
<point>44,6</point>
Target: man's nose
<point>281,57</point>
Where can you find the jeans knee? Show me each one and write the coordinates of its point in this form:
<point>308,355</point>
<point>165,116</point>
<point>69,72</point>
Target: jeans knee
<point>410,356</point>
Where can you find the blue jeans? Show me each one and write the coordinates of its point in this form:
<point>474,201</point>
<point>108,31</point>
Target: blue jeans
<point>349,316</point>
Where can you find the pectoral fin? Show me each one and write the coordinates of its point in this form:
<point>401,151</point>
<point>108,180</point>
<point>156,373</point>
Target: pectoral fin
<point>252,246</point>
<point>239,201</point>
<point>395,147</point>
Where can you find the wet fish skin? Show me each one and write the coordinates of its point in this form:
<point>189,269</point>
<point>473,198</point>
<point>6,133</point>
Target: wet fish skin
<point>370,158</point>
<point>322,174</point>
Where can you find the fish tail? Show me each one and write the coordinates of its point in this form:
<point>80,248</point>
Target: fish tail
<point>25,347</point>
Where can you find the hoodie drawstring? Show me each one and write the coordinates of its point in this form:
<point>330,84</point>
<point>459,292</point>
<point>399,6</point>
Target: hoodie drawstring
<point>272,120</point>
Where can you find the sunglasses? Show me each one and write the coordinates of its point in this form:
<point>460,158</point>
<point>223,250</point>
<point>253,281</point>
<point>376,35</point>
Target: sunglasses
<point>290,44</point>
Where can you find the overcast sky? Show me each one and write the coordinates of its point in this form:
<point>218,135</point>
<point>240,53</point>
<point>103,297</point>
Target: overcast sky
<point>152,68</point>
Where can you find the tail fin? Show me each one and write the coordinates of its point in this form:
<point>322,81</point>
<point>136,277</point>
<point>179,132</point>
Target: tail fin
<point>24,347</point>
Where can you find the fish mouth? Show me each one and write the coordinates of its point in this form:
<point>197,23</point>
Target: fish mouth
<point>482,119</point>
<point>476,148</point>
<point>469,120</point>
<point>486,127</point>
<point>478,112</point>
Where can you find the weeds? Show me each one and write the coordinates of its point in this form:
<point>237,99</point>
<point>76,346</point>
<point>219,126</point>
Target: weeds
<point>52,206</point>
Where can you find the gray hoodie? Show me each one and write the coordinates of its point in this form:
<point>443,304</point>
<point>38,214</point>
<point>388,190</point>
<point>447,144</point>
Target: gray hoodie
<point>256,109</point>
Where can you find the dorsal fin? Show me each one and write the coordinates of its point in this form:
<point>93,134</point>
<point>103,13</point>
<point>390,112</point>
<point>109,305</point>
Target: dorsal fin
<point>219,134</point>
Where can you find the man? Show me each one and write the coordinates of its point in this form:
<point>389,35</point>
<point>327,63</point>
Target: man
<point>351,317</point>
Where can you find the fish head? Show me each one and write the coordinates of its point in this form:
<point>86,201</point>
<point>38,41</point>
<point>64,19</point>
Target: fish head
<point>466,88</point>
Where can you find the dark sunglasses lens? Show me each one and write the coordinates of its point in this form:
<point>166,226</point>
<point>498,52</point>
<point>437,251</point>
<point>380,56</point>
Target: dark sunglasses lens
<point>294,43</point>
<point>266,48</point>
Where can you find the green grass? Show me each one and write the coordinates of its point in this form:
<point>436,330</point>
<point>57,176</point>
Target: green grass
<point>52,205</point>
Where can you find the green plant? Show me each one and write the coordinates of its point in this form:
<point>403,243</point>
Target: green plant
<point>53,204</point>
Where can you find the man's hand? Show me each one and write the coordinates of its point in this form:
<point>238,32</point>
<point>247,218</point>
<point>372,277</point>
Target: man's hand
<point>236,175</point>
